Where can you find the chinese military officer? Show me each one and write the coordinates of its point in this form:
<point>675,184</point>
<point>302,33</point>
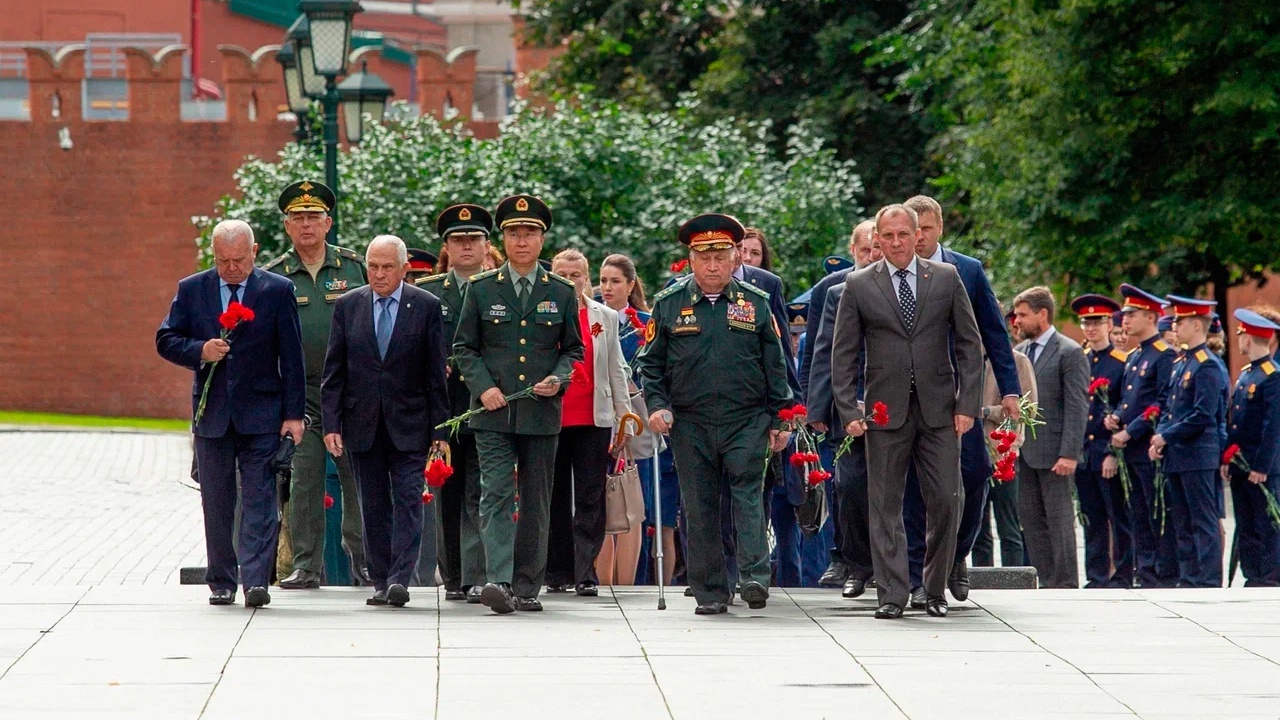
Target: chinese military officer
<point>715,379</point>
<point>518,330</point>
<point>464,230</point>
<point>321,273</point>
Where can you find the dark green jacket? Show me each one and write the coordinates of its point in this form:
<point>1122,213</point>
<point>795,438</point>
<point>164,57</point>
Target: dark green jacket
<point>497,344</point>
<point>713,363</point>
<point>342,270</point>
<point>447,287</point>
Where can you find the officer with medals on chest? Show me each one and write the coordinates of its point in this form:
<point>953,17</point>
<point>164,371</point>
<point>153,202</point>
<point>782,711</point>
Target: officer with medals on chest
<point>1108,534</point>
<point>1190,439</point>
<point>715,378</point>
<point>322,273</point>
<point>1253,425</point>
<point>1146,384</point>
<point>464,230</point>
<point>518,329</point>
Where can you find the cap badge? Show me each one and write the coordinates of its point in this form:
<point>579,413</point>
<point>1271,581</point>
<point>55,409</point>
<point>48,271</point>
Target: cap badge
<point>522,205</point>
<point>464,214</point>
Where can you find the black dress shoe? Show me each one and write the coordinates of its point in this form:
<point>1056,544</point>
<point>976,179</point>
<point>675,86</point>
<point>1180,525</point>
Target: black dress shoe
<point>918,599</point>
<point>362,578</point>
<point>301,580</point>
<point>397,595</point>
<point>853,587</point>
<point>712,608</point>
<point>473,594</point>
<point>455,595</point>
<point>958,582</point>
<point>688,592</point>
<point>379,598</point>
<point>587,590</point>
<point>889,611</point>
<point>528,604</point>
<point>497,597</point>
<point>257,597</point>
<point>937,606</point>
<point>222,597</point>
<point>836,575</point>
<point>557,587</point>
<point>755,595</point>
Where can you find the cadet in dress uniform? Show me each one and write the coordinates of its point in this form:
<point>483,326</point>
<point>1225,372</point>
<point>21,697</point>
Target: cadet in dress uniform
<point>1190,439</point>
<point>715,378</point>
<point>422,263</point>
<point>1146,384</point>
<point>518,329</point>
<point>464,230</point>
<point>321,273</point>
<point>1253,423</point>
<point>1108,534</point>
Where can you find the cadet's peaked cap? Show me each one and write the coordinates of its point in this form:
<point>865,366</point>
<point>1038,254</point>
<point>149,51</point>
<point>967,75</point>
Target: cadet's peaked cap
<point>834,263</point>
<point>797,313</point>
<point>1135,298</point>
<point>420,260</point>
<point>1164,324</point>
<point>1094,306</point>
<point>522,210</point>
<point>711,231</point>
<point>1252,323</point>
<point>1117,318</point>
<point>306,196</point>
<point>464,219</point>
<point>1215,325</point>
<point>1186,307</point>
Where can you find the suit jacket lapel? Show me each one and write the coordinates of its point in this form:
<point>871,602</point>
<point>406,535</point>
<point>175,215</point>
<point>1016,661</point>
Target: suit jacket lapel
<point>1051,348</point>
<point>886,287</point>
<point>213,294</point>
<point>403,318</point>
<point>364,317</point>
<point>252,284</point>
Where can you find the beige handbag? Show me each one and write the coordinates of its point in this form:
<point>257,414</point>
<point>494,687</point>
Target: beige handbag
<point>623,498</point>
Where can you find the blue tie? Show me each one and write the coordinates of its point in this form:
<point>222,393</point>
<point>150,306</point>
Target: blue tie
<point>384,327</point>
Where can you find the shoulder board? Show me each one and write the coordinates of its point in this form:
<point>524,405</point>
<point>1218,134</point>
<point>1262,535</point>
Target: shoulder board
<point>1117,354</point>
<point>430,278</point>
<point>275,262</point>
<point>1267,367</point>
<point>566,281</point>
<point>483,275</point>
<point>1086,350</point>
<point>675,287</point>
<point>754,289</point>
<point>1160,345</point>
<point>349,254</point>
<point>1202,356</point>
<point>422,281</point>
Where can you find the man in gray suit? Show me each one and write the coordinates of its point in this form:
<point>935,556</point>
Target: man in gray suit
<point>904,310</point>
<point>1047,467</point>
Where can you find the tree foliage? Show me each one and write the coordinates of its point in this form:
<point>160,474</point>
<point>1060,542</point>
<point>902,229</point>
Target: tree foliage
<point>617,179</point>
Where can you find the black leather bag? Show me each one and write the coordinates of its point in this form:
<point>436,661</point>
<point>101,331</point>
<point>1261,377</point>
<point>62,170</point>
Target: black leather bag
<point>812,513</point>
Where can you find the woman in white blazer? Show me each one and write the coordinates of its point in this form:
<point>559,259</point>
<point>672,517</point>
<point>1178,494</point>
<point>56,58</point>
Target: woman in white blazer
<point>592,406</point>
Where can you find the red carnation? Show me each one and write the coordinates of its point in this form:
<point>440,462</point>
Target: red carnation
<point>1099,385</point>
<point>427,497</point>
<point>1230,454</point>
<point>680,265</point>
<point>1151,413</point>
<point>799,459</point>
<point>650,531</point>
<point>880,414</point>
<point>816,477</point>
<point>799,411</point>
<point>515,516</point>
<point>328,501</point>
<point>634,317</point>
<point>786,415</point>
<point>437,472</point>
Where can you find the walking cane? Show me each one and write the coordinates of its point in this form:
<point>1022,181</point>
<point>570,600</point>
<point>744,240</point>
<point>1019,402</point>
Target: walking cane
<point>657,521</point>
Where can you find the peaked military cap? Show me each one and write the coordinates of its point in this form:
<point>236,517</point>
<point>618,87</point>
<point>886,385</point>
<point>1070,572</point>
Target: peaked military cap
<point>306,196</point>
<point>464,219</point>
<point>1252,323</point>
<point>1186,307</point>
<point>711,231</point>
<point>1215,324</point>
<point>1164,324</point>
<point>835,263</point>
<point>1135,298</point>
<point>422,260</point>
<point>1117,317</point>
<point>1094,306</point>
<point>522,210</point>
<point>797,314</point>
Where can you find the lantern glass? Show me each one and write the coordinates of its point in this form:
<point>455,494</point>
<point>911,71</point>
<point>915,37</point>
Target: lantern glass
<point>330,42</point>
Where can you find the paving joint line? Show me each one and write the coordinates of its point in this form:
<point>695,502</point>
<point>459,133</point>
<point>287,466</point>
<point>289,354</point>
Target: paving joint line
<point>645,652</point>
<point>43,634</point>
<point>439,653</point>
<point>1214,633</point>
<point>848,652</point>
<point>222,672</point>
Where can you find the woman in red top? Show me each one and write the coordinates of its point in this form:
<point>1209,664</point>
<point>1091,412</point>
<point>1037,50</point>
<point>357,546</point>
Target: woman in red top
<point>591,407</point>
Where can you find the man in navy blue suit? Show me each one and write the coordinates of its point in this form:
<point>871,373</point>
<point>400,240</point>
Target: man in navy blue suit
<point>257,395</point>
<point>381,396</point>
<point>975,465</point>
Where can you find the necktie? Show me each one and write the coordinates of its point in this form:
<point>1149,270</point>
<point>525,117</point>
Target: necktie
<point>235,293</point>
<point>384,327</point>
<point>907,299</point>
<point>1033,352</point>
<point>523,292</point>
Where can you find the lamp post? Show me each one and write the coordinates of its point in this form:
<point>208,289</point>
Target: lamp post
<point>322,41</point>
<point>297,99</point>
<point>363,94</point>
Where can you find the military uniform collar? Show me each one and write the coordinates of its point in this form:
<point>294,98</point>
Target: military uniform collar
<point>732,291</point>
<point>294,261</point>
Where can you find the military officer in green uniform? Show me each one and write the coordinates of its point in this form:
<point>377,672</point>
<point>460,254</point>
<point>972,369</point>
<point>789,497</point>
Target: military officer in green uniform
<point>715,379</point>
<point>518,330</point>
<point>322,273</point>
<point>464,230</point>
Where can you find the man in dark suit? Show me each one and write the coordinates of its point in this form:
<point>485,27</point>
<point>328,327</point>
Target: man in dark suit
<point>1047,465</point>
<point>975,465</point>
<point>908,313</point>
<point>382,394</point>
<point>255,396</point>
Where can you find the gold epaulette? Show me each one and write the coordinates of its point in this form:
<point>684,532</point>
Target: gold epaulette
<point>1160,345</point>
<point>1117,354</point>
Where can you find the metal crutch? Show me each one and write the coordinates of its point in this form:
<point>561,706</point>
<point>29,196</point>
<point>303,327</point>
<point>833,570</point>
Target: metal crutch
<point>657,521</point>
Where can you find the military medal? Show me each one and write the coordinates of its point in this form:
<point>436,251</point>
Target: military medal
<point>337,285</point>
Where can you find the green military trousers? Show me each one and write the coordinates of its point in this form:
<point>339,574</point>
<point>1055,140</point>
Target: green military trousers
<point>306,505</point>
<point>515,549</point>
<point>707,455</point>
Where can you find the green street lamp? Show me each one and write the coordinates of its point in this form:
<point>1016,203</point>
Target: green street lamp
<point>363,95</point>
<point>298,102</point>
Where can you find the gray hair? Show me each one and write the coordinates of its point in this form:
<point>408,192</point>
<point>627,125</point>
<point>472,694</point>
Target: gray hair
<point>231,230</point>
<point>402,252</point>
<point>899,209</point>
